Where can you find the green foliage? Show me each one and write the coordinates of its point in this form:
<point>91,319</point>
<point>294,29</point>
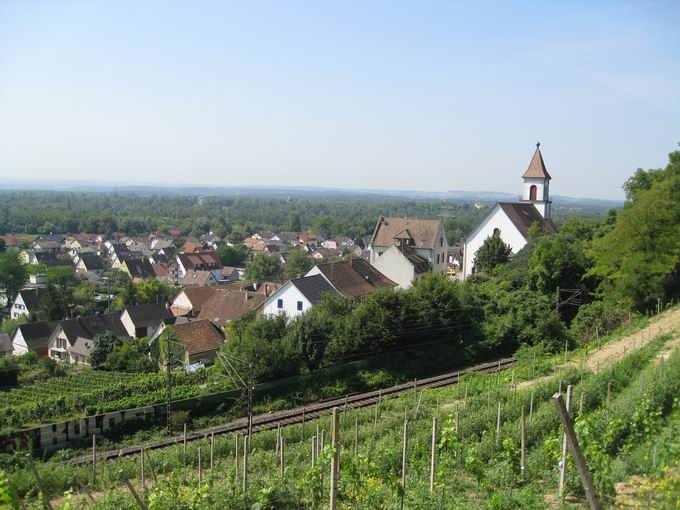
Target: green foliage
<point>297,263</point>
<point>638,259</point>
<point>262,266</point>
<point>13,274</point>
<point>9,372</point>
<point>104,343</point>
<point>171,351</point>
<point>153,291</point>
<point>233,256</point>
<point>130,356</point>
<point>10,326</point>
<point>557,261</point>
<point>293,224</point>
<point>597,318</point>
<point>493,252</point>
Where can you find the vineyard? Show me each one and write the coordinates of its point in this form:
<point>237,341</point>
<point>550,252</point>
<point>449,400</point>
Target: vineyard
<point>91,392</point>
<point>627,419</point>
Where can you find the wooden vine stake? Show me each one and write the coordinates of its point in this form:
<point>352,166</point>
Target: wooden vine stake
<point>246,440</point>
<point>522,444</point>
<point>282,456</point>
<point>531,407</point>
<point>579,460</point>
<point>433,454</point>
<point>335,459</point>
<point>609,394</point>
<point>236,455</point>
<point>498,425</point>
<point>356,435</point>
<point>563,463</point>
<point>38,480</point>
<point>404,459</point>
<point>200,467</point>
<point>313,451</point>
<point>132,490</point>
<point>212,449</point>
<point>184,447</point>
<point>141,466</point>
<point>94,458</point>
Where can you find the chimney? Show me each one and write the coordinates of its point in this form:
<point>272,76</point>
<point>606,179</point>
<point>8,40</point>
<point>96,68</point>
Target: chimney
<point>246,294</point>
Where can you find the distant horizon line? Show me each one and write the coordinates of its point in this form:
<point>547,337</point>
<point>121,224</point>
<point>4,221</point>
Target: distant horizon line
<point>104,186</point>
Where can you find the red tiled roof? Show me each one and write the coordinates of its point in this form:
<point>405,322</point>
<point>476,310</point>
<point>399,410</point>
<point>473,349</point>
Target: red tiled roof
<point>199,336</point>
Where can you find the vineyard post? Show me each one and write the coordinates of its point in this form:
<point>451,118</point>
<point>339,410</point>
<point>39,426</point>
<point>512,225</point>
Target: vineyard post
<point>200,467</point>
<point>433,454</point>
<point>458,385</point>
<point>212,450</point>
<point>323,438</point>
<point>184,447</point>
<point>581,403</point>
<point>579,460</point>
<point>282,456</point>
<point>94,458</point>
<point>356,435</point>
<point>132,489</point>
<point>465,398</point>
<point>313,451</point>
<point>597,337</point>
<point>609,394</point>
<point>488,396</point>
<point>141,466</point>
<point>335,459</point>
<point>303,422</point>
<point>153,471</point>
<point>246,440</point>
<point>46,500</point>
<point>498,425</point>
<point>318,439</point>
<point>522,444</point>
<point>566,350</point>
<point>404,458</point>
<point>375,416</point>
<point>563,463</point>
<point>278,438</point>
<point>531,407</point>
<point>457,419</point>
<point>236,458</point>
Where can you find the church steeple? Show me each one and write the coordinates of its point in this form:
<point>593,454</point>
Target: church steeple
<point>536,184</point>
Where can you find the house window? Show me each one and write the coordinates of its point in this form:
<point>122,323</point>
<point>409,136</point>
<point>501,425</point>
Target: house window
<point>299,306</point>
<point>496,232</point>
<point>279,303</point>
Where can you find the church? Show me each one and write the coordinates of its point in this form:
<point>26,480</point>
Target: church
<point>512,220</point>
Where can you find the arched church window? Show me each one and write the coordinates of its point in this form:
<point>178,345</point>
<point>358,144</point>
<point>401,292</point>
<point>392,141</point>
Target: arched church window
<point>532,192</point>
<point>496,232</point>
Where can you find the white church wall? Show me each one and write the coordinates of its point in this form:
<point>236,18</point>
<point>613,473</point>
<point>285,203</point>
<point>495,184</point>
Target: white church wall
<point>508,232</point>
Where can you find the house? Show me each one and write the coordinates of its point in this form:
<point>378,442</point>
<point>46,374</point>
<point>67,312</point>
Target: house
<point>326,253</point>
<point>80,333</point>
<point>138,269</point>
<point>189,300</point>
<point>27,302</point>
<point>89,262</point>
<point>199,279</point>
<point>202,261</point>
<point>32,336</point>
<point>231,274</point>
<point>201,340</point>
<point>226,305</point>
<point>287,238</point>
<point>297,296</point>
<point>160,243</point>
<point>398,243</point>
<point>192,247</point>
<point>162,272</point>
<point>143,320</point>
<point>5,345</point>
<point>52,246</point>
<point>118,253</point>
<point>46,258</point>
<point>353,278</point>
<point>57,239</point>
<point>511,221</point>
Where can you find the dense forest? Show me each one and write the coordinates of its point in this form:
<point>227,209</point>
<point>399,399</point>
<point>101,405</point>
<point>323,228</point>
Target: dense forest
<point>39,212</point>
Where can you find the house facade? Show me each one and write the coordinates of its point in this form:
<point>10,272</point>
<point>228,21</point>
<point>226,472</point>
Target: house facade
<point>296,296</point>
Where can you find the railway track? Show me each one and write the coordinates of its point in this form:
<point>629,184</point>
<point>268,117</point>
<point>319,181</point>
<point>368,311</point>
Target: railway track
<point>275,419</point>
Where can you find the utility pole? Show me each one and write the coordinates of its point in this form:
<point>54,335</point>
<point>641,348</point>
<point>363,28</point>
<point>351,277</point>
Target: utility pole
<point>169,406</point>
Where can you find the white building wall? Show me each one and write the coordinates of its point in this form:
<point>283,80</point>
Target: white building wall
<point>290,296</point>
<point>395,266</point>
<point>127,323</point>
<point>19,345</point>
<point>18,307</point>
<point>509,233</point>
<point>542,202</point>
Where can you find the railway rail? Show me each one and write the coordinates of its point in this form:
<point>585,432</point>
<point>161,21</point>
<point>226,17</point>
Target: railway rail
<point>275,419</point>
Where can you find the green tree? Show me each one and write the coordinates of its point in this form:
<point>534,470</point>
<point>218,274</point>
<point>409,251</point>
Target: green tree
<point>293,224</point>
<point>153,291</point>
<point>130,356</point>
<point>171,352</point>
<point>297,263</point>
<point>638,260</point>
<point>233,256</point>
<point>491,254</point>
<point>2,245</point>
<point>557,261</point>
<point>53,306</point>
<point>104,343</point>
<point>13,274</point>
<point>263,266</point>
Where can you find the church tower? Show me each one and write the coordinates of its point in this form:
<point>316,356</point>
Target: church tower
<point>536,184</point>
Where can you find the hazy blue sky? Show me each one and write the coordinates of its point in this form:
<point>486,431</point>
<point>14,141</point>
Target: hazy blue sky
<point>368,94</point>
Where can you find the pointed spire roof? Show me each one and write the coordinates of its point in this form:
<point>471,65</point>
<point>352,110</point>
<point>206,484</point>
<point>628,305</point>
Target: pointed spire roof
<point>536,168</point>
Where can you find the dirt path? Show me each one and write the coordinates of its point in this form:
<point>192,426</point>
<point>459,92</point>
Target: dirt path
<point>598,359</point>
